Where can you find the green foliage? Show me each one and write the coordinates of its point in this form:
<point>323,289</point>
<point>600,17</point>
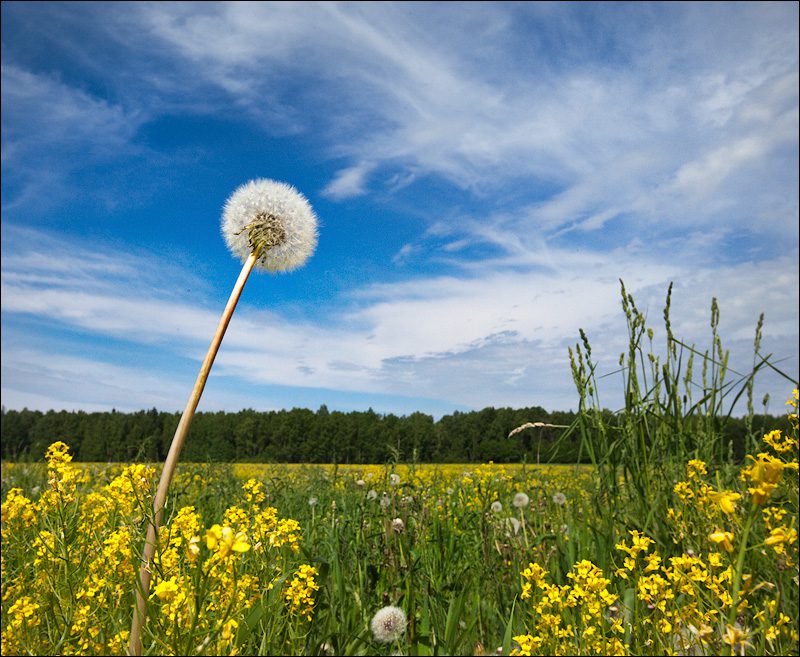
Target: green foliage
<point>304,436</point>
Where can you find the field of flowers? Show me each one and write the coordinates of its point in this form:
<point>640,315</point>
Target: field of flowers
<point>398,559</point>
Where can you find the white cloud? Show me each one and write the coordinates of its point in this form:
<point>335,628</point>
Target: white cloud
<point>349,182</point>
<point>493,338</point>
<point>51,129</point>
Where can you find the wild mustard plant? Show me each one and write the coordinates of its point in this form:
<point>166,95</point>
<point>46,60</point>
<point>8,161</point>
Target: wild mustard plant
<point>730,589</point>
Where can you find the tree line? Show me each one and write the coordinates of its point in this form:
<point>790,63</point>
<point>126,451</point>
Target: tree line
<point>305,436</point>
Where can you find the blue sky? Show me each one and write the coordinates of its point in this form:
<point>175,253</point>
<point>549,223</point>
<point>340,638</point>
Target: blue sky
<point>484,174</point>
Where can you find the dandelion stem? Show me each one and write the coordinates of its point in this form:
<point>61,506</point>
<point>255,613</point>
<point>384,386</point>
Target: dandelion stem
<point>143,587</point>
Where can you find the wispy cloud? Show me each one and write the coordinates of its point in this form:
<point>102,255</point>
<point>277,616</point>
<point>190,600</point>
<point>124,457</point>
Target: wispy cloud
<point>349,182</point>
<point>498,338</point>
<point>50,130</point>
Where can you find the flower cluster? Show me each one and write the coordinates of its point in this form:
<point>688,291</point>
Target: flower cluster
<point>300,592</point>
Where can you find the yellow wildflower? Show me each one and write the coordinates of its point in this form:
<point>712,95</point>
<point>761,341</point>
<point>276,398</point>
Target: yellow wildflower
<point>779,536</point>
<point>695,468</point>
<point>223,541</point>
<point>723,539</point>
<point>726,500</point>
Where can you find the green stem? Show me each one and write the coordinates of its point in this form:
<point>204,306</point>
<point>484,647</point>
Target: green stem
<point>737,575</point>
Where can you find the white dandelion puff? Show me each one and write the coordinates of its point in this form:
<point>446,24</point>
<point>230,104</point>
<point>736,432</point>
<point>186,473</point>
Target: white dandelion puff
<point>497,507</point>
<point>388,624</point>
<point>398,525</point>
<point>560,499</point>
<point>272,219</point>
<point>521,500</point>
<point>394,479</point>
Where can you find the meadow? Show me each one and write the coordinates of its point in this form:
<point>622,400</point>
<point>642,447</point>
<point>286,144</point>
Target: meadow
<point>663,544</point>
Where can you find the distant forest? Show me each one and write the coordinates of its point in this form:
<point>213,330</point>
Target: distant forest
<point>305,436</point>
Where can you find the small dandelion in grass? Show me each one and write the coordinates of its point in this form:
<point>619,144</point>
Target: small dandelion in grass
<point>385,501</point>
<point>394,479</point>
<point>388,624</point>
<point>361,483</point>
<point>496,507</point>
<point>372,494</point>
<point>398,526</point>
<point>521,500</point>
<point>560,499</point>
<point>312,501</point>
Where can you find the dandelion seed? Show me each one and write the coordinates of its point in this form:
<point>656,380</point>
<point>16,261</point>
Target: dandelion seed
<point>385,501</point>
<point>312,501</point>
<point>521,500</point>
<point>388,624</point>
<point>360,483</point>
<point>560,499</point>
<point>372,494</point>
<point>398,525</point>
<point>394,479</point>
<point>496,507</point>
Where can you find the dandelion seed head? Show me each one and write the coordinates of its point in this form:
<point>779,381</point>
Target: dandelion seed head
<point>497,507</point>
<point>388,624</point>
<point>521,500</point>
<point>560,499</point>
<point>273,217</point>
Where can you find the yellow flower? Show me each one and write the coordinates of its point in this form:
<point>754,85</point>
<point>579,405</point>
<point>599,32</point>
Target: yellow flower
<point>683,489</point>
<point>223,541</point>
<point>166,589</point>
<point>723,539</point>
<point>779,536</point>
<point>695,468</point>
<point>299,593</point>
<point>528,645</point>
<point>228,629</point>
<point>534,573</point>
<point>653,562</point>
<point>726,500</point>
<point>736,638</point>
<point>765,473</point>
<point>193,549</point>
